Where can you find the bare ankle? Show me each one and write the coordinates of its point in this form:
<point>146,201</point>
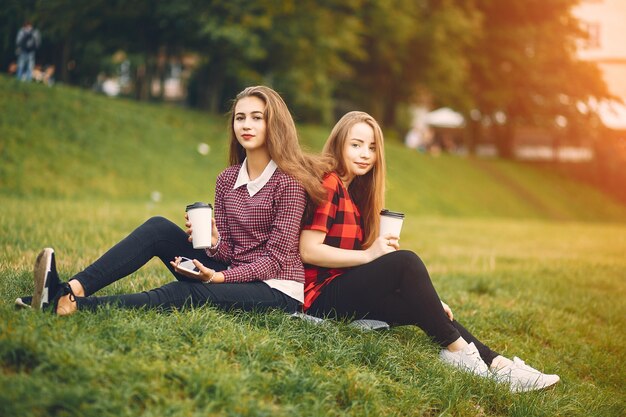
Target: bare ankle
<point>499,362</point>
<point>77,288</point>
<point>66,306</point>
<point>458,344</point>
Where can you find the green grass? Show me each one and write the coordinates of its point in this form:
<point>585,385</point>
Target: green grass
<point>533,264</point>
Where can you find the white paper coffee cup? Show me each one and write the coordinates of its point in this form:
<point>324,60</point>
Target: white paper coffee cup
<point>390,223</point>
<point>200,216</point>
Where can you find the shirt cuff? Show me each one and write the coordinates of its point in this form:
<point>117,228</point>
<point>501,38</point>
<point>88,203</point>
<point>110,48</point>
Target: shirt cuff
<point>212,250</point>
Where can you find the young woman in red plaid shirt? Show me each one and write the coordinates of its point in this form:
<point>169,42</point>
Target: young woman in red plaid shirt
<point>353,273</point>
<point>254,262</point>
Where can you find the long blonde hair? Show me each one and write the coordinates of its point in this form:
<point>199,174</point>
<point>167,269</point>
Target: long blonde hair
<point>282,142</point>
<point>367,191</point>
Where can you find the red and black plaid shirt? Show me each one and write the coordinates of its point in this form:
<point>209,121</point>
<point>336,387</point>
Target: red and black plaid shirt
<point>340,219</point>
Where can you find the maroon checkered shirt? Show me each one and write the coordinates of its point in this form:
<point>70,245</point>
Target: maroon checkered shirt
<point>260,233</point>
<point>340,219</point>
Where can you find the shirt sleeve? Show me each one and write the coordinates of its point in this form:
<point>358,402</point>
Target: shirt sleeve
<point>289,202</point>
<point>324,216</point>
<point>223,252</point>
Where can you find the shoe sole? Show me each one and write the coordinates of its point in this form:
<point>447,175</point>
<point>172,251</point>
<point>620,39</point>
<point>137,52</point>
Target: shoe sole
<point>535,387</point>
<point>19,303</point>
<point>40,273</point>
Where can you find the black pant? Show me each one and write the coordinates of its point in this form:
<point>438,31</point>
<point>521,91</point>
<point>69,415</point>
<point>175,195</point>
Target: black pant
<point>395,288</point>
<point>164,239</point>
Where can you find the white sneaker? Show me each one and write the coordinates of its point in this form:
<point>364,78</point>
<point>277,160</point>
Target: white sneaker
<point>467,359</point>
<point>523,378</point>
<point>369,324</point>
<point>309,318</point>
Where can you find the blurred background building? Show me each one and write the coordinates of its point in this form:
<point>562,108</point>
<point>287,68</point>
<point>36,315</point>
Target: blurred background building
<point>604,22</point>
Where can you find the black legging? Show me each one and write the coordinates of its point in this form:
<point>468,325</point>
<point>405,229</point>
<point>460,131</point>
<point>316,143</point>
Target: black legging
<point>395,288</point>
<point>164,239</point>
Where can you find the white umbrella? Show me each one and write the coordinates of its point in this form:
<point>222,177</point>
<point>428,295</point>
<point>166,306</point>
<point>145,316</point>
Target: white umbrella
<point>445,117</point>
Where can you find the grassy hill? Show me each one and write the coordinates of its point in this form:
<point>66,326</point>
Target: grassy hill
<point>68,143</point>
<point>532,263</point>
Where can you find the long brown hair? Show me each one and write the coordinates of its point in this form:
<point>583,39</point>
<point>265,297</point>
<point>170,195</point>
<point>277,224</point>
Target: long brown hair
<point>367,191</point>
<point>282,142</point>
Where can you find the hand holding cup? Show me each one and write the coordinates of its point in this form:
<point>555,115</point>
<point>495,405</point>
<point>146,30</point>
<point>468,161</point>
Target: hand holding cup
<point>391,225</point>
<point>200,224</point>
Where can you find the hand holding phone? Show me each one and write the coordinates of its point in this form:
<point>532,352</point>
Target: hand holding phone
<point>188,265</point>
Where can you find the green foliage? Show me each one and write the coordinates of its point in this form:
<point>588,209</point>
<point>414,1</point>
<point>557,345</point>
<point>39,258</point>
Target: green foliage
<point>308,46</point>
<point>412,47</point>
<point>524,69</point>
<point>511,59</point>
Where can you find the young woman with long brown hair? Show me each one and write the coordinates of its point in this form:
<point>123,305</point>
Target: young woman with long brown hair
<point>253,262</point>
<point>353,273</point>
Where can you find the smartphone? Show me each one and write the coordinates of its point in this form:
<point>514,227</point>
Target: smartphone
<point>188,265</point>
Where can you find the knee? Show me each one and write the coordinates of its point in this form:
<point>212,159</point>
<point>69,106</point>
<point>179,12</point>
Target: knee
<point>408,261</point>
<point>406,257</point>
<point>158,222</point>
<point>174,293</point>
<point>160,225</point>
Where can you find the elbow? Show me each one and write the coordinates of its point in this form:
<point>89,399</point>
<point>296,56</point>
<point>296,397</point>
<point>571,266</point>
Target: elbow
<point>305,255</point>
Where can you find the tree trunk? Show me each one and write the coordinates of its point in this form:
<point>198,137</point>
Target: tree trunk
<point>556,145</point>
<point>65,60</point>
<point>140,82</point>
<point>202,87</point>
<point>163,59</point>
<point>472,135</point>
<point>505,140</point>
<point>150,70</point>
<point>214,89</point>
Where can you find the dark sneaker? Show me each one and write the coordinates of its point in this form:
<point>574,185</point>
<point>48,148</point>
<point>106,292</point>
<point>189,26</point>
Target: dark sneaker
<point>62,290</point>
<point>47,281</point>
<point>23,302</point>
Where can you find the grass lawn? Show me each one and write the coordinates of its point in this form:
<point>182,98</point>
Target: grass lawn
<point>536,269</point>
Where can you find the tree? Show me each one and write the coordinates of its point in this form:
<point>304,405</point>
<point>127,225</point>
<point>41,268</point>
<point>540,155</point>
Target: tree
<point>309,47</point>
<point>229,40</point>
<point>411,47</point>
<point>150,33</point>
<point>74,33</point>
<point>298,47</point>
<point>524,70</point>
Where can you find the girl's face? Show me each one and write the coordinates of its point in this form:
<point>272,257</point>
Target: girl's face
<point>359,151</point>
<point>249,123</point>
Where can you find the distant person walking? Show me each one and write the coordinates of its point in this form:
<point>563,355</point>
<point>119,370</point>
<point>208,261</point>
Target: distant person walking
<point>26,43</point>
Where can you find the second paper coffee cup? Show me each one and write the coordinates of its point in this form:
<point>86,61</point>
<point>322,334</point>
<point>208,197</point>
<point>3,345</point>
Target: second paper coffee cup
<point>390,222</point>
<point>200,216</point>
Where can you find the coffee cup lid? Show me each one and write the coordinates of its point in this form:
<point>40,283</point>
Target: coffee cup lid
<point>395,214</point>
<point>198,204</point>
